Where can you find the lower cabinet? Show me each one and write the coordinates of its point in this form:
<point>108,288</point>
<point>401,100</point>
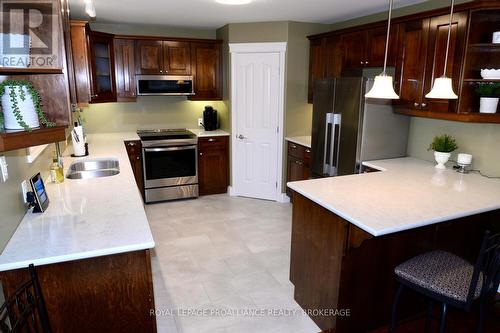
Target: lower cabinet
<point>134,151</point>
<point>213,164</point>
<point>298,164</point>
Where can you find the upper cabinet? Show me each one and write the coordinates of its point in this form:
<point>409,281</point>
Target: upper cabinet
<point>177,58</point>
<point>206,65</point>
<point>106,67</point>
<point>417,51</point>
<point>163,57</point>
<point>149,54</point>
<point>410,66</point>
<point>102,68</point>
<point>125,70</point>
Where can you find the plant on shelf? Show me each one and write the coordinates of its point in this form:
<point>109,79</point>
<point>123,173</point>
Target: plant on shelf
<point>489,94</point>
<point>21,106</point>
<point>443,146</point>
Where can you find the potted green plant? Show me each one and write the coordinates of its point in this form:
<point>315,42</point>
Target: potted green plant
<point>443,146</point>
<point>21,106</point>
<point>489,94</point>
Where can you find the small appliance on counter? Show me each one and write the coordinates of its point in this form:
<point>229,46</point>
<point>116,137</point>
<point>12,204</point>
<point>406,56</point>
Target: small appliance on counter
<point>210,120</point>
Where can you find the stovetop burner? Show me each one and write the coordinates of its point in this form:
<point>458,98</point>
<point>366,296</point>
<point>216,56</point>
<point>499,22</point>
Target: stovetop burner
<point>165,134</point>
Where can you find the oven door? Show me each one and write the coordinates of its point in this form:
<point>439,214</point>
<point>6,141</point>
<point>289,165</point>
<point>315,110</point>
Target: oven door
<point>170,166</point>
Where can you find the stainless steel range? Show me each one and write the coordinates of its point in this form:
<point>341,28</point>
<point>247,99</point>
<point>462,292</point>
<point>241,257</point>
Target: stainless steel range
<point>170,162</point>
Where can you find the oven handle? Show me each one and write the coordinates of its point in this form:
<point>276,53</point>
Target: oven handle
<point>157,150</point>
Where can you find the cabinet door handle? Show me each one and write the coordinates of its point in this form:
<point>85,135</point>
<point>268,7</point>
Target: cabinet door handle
<point>361,63</point>
<point>131,144</point>
<point>416,105</point>
<point>308,151</point>
<point>366,62</point>
<point>211,140</point>
<point>138,158</point>
<point>293,146</point>
<point>299,163</point>
<point>424,105</point>
<point>201,154</point>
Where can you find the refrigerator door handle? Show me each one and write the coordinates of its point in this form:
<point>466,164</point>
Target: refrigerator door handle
<point>327,164</point>
<point>337,121</point>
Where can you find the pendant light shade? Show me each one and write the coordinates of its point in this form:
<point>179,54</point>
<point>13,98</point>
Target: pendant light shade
<point>383,87</point>
<point>442,89</point>
<point>443,86</point>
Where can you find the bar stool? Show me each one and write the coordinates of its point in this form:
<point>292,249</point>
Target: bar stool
<point>24,310</point>
<point>452,281</point>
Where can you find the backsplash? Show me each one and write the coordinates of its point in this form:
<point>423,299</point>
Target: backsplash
<point>149,112</point>
<point>480,140</point>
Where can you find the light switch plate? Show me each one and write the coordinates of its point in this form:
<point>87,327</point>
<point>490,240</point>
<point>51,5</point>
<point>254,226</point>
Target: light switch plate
<point>3,169</point>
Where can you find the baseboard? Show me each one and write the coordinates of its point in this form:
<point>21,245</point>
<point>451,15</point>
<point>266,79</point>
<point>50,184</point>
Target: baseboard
<point>283,198</point>
<point>231,192</point>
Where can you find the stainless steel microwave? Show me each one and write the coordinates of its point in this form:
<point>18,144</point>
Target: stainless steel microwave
<point>164,85</point>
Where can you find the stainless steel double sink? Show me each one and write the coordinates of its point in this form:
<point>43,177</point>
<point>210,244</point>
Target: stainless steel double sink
<point>93,168</point>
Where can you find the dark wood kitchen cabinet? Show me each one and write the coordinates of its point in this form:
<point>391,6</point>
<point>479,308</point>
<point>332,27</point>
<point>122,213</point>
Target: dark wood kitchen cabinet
<point>206,65</point>
<point>410,66</point>
<point>421,60</point>
<point>177,58</point>
<point>163,57</point>
<point>125,70</point>
<point>102,67</point>
<point>134,151</point>
<point>354,45</point>
<point>298,164</point>
<point>213,164</point>
<point>149,57</point>
<point>316,64</point>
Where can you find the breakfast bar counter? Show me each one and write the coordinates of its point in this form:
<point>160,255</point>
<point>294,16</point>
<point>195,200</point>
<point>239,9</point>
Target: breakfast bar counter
<point>350,232</point>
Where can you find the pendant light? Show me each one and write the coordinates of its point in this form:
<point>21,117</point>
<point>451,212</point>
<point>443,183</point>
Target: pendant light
<point>383,87</point>
<point>443,86</point>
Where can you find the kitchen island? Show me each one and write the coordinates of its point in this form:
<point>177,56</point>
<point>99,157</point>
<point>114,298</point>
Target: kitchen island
<point>91,249</point>
<point>349,233</point>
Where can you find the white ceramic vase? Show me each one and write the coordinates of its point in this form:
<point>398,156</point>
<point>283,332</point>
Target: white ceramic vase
<point>441,159</point>
<point>488,104</point>
<point>27,108</point>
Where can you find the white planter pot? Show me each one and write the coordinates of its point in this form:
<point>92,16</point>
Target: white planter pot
<point>488,104</point>
<point>441,159</point>
<point>27,108</point>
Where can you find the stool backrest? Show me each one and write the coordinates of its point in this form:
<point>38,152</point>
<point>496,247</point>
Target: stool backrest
<point>24,310</point>
<point>488,263</point>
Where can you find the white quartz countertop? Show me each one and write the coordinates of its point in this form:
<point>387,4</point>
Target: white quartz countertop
<point>202,133</point>
<point>300,140</point>
<point>86,218</point>
<point>408,193</point>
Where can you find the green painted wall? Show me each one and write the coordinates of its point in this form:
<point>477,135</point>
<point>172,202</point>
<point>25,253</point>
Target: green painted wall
<point>150,111</point>
<point>12,208</point>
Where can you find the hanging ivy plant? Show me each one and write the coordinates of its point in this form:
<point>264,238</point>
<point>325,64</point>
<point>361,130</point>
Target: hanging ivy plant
<point>18,91</point>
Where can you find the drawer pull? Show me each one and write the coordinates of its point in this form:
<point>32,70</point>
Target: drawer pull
<point>131,144</point>
<point>211,140</point>
<point>293,146</point>
<point>299,162</point>
<point>308,151</point>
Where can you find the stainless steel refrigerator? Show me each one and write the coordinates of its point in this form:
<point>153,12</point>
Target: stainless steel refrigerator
<point>349,129</point>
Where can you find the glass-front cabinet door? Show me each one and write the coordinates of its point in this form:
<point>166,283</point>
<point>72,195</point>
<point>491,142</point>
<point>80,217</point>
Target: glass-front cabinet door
<point>103,87</point>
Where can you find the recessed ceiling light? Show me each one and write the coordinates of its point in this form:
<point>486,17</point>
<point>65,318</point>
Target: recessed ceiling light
<point>233,2</point>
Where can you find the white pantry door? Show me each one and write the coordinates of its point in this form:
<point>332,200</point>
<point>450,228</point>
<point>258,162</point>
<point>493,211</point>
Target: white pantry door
<point>256,108</point>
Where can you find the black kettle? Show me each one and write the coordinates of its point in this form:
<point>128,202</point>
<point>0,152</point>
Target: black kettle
<point>210,121</point>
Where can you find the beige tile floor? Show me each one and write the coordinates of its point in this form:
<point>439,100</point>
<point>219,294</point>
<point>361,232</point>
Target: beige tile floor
<point>221,265</point>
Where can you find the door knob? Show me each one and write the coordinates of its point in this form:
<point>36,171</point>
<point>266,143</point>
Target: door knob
<point>241,137</point>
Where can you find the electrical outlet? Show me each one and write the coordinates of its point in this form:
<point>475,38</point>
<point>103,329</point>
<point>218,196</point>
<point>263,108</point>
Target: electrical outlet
<point>3,169</point>
<point>200,122</point>
<point>24,191</point>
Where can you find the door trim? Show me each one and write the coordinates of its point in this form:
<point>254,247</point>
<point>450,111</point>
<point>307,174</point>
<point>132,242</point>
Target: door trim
<point>244,48</point>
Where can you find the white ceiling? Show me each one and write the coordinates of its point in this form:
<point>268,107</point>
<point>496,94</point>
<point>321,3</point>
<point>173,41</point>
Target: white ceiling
<point>209,14</point>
